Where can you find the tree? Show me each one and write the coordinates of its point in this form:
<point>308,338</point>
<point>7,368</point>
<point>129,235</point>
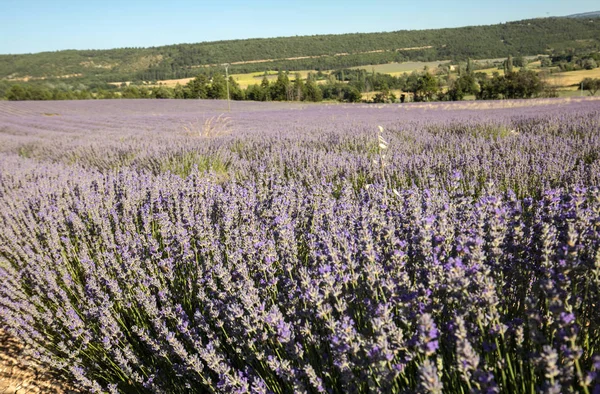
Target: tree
<point>545,61</point>
<point>423,87</point>
<point>334,90</point>
<point>490,88</point>
<point>265,85</point>
<point>144,92</point>
<point>508,65</point>
<point>198,87</point>
<point>385,96</point>
<point>361,83</point>
<point>592,85</point>
<point>469,66</point>
<point>312,92</point>
<point>281,89</point>
<point>130,92</point>
<point>17,93</point>
<point>523,84</point>
<point>352,94</point>
<point>218,87</point>
<point>103,94</point>
<point>298,88</point>
<point>463,85</point>
<point>83,95</point>
<point>162,92</point>
<point>58,94</point>
<point>519,61</point>
<point>235,92</point>
<point>179,92</point>
<point>254,93</point>
<point>411,82</point>
<point>589,64</point>
<point>4,87</point>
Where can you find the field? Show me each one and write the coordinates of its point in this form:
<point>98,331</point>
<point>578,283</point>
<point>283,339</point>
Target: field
<point>244,80</point>
<point>563,80</point>
<point>169,246</point>
<point>396,69</point>
<point>571,78</point>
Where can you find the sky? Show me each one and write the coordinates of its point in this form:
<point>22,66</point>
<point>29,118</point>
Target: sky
<point>28,26</point>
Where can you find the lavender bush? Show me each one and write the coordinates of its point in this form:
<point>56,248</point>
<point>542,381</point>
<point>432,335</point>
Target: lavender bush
<point>297,252</point>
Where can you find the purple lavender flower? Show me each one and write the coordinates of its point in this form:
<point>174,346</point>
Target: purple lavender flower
<point>277,258</point>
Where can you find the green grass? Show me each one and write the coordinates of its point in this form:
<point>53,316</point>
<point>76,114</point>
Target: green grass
<point>573,93</point>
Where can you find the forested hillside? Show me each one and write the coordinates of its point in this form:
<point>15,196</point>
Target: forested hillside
<point>527,37</point>
<point>593,14</point>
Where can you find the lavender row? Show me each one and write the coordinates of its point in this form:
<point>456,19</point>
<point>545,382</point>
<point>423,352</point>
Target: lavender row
<point>518,149</point>
<point>133,283</point>
<point>296,249</point>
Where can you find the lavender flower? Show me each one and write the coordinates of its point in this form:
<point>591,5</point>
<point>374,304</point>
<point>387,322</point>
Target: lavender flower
<point>135,257</point>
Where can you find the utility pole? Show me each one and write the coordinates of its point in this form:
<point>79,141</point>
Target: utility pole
<point>227,78</point>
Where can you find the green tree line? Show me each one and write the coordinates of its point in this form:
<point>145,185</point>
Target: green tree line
<point>346,85</point>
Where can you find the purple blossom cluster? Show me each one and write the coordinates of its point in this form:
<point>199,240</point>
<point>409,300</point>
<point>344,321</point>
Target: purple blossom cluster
<point>290,255</point>
<point>523,149</point>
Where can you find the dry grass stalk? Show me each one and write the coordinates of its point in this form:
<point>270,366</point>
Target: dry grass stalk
<point>211,127</point>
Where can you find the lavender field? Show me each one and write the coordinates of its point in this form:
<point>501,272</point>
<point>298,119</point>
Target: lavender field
<point>167,246</point>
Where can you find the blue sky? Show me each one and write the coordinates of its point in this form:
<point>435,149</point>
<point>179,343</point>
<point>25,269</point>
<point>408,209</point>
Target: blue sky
<point>48,25</point>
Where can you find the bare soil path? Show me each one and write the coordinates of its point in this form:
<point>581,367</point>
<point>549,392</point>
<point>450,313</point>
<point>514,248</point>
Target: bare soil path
<point>20,375</point>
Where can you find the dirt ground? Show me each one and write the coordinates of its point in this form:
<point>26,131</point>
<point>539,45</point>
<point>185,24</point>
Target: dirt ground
<point>19,375</point>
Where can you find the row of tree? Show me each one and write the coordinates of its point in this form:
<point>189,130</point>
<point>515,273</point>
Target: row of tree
<point>36,92</point>
<point>346,85</point>
<point>513,85</point>
<point>573,60</point>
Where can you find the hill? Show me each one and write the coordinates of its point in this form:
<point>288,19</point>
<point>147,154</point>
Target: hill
<point>593,14</point>
<point>526,37</point>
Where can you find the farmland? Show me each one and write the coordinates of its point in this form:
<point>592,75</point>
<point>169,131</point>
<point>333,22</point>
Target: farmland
<point>244,80</point>
<point>571,78</point>
<point>556,78</point>
<point>172,246</point>
<point>563,82</point>
<point>400,68</point>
